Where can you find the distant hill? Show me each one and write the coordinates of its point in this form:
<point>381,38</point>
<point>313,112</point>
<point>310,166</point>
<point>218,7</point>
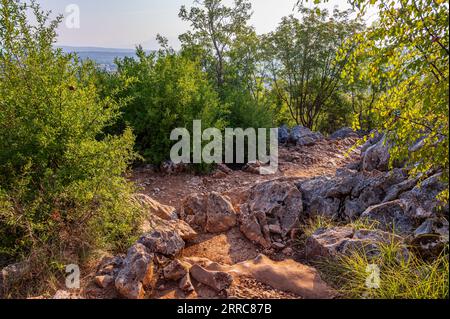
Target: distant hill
<point>103,56</point>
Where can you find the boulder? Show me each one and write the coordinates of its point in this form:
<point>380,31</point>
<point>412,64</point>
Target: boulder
<point>344,132</point>
<point>194,211</point>
<point>391,216</point>
<point>252,225</point>
<point>169,167</point>
<point>64,294</point>
<point>377,156</point>
<point>303,136</point>
<point>431,238</point>
<point>217,280</point>
<point>349,193</point>
<point>155,208</point>
<point>272,207</point>
<point>220,214</point>
<point>108,270</point>
<point>421,201</point>
<point>374,138</point>
<point>211,213</point>
<point>283,134</point>
<point>279,200</point>
<point>336,241</point>
<point>13,274</point>
<point>186,284</point>
<point>166,242</point>
<point>175,270</point>
<point>136,274</point>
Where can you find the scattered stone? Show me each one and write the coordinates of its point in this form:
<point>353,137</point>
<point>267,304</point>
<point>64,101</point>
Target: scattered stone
<point>216,280</point>
<point>175,270</point>
<point>431,238</point>
<point>161,241</point>
<point>155,208</point>
<point>211,213</point>
<point>63,294</point>
<point>391,216</point>
<point>377,156</point>
<point>332,242</point>
<point>344,132</point>
<point>252,167</point>
<point>186,284</point>
<point>303,136</point>
<point>288,251</point>
<point>104,281</point>
<point>278,246</point>
<point>169,168</point>
<point>275,229</point>
<point>137,273</point>
<point>223,168</point>
<point>220,214</point>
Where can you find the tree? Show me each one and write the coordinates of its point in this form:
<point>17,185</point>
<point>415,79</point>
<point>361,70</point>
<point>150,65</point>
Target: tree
<point>408,54</point>
<point>164,90</point>
<point>214,29</point>
<point>302,58</point>
<point>62,185</point>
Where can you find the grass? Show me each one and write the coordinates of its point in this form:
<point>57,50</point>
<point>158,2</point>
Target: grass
<point>400,276</point>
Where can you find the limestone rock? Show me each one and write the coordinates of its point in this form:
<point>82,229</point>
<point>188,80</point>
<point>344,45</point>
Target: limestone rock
<point>136,274</point>
<point>283,134</point>
<point>216,280</point>
<point>220,214</point>
<point>303,136</point>
<point>186,284</point>
<point>391,216</point>
<point>271,208</point>
<point>330,243</point>
<point>155,208</point>
<point>175,270</point>
<point>211,213</point>
<point>344,132</point>
<point>431,238</point>
<point>162,241</point>
<point>377,156</point>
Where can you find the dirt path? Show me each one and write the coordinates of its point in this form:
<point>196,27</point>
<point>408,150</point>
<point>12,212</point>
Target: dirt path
<point>232,247</point>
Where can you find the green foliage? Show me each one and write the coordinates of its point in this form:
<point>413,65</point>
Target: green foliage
<point>301,57</point>
<point>407,52</point>
<point>163,90</point>
<point>62,184</point>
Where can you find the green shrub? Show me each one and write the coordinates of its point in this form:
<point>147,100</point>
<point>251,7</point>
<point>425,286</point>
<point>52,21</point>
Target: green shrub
<point>62,184</point>
<point>164,91</point>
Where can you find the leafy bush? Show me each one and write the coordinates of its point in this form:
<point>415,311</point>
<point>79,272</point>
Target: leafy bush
<point>62,184</point>
<point>164,91</point>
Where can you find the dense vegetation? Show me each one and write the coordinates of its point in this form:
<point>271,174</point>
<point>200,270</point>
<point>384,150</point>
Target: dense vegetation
<point>70,131</point>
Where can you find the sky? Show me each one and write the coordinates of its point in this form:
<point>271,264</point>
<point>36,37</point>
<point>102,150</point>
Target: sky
<point>126,23</point>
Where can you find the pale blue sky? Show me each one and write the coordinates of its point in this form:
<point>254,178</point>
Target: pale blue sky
<point>125,23</point>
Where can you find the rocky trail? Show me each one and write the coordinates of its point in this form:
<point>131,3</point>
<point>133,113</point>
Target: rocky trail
<point>233,233</point>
